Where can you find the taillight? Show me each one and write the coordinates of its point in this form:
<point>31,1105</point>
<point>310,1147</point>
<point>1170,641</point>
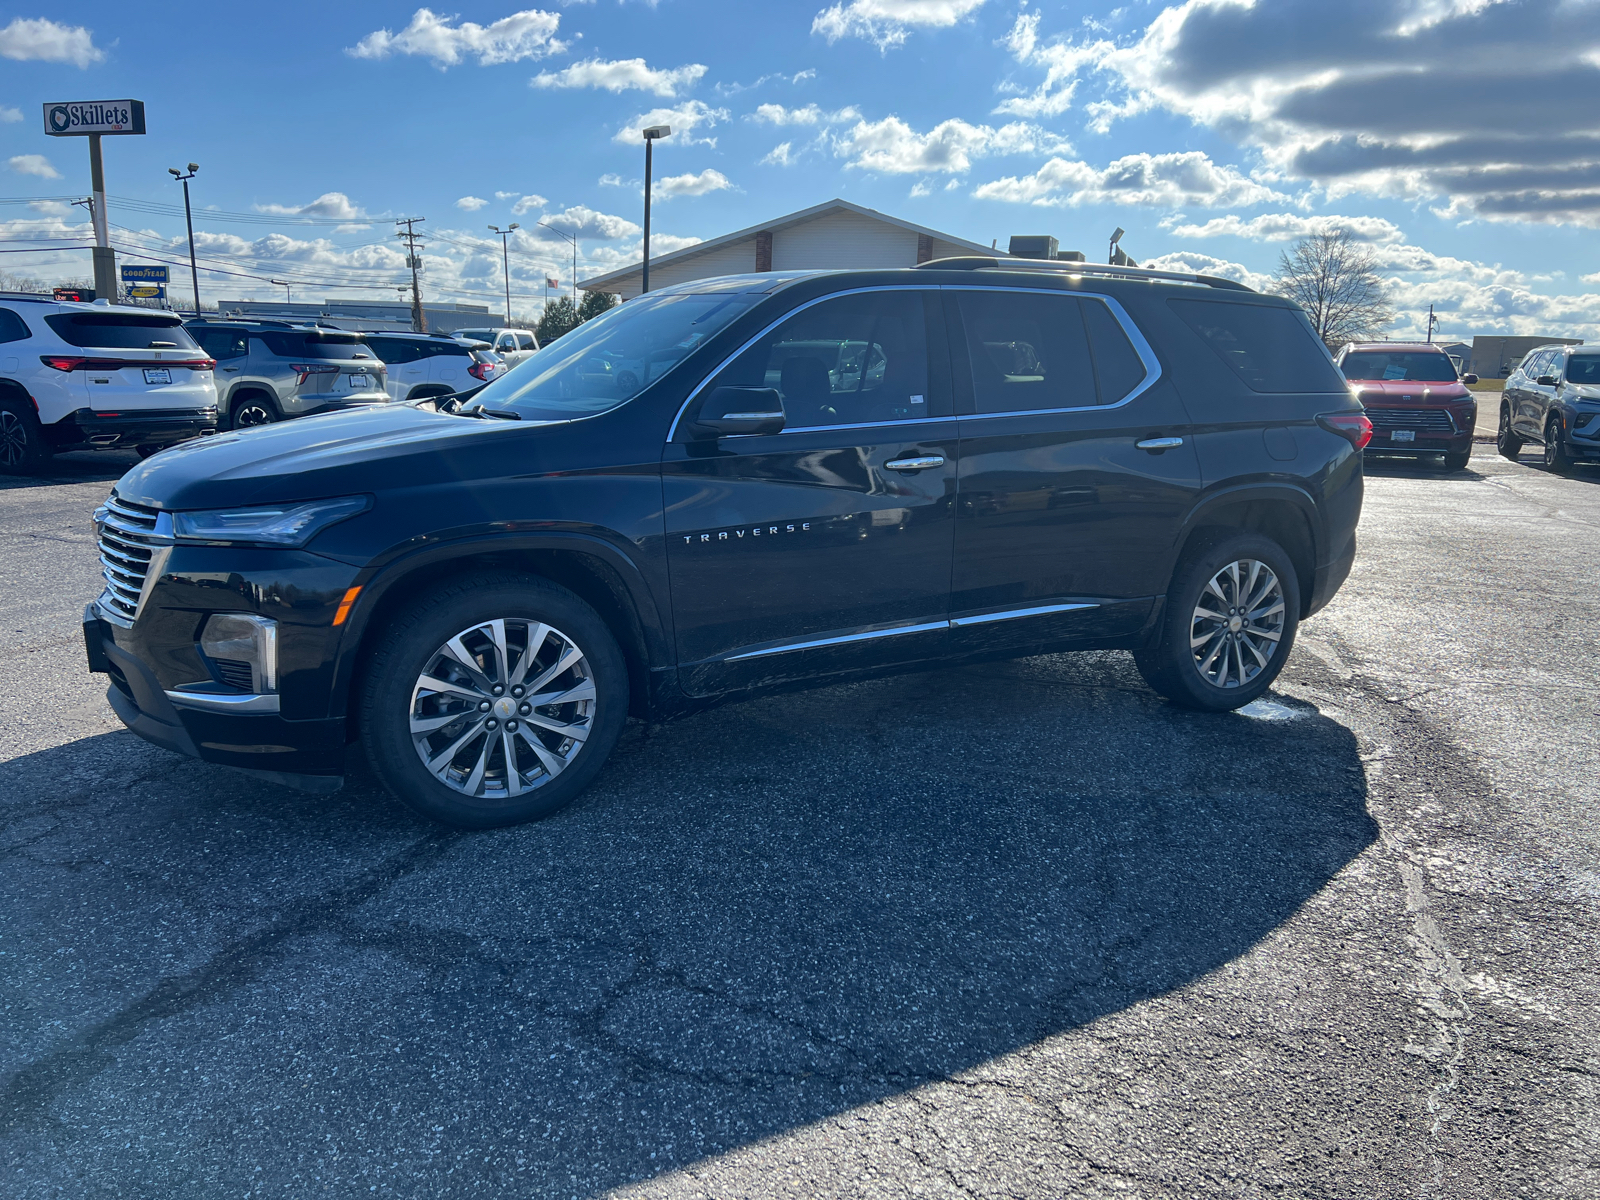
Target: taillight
<point>479,370</point>
<point>305,371</point>
<point>62,362</point>
<point>1353,427</point>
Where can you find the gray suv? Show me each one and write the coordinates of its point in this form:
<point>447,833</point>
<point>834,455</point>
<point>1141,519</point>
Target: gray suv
<point>268,371</point>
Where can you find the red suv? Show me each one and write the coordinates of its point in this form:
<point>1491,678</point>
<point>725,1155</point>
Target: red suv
<point>1414,398</point>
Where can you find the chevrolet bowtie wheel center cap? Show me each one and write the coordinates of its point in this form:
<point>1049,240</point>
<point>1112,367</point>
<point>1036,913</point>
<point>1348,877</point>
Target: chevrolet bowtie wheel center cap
<point>505,707</point>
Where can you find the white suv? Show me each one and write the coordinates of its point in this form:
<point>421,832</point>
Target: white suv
<point>96,376</point>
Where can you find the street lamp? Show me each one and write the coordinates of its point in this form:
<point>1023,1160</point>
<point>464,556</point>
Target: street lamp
<point>650,135</point>
<point>1111,255</point>
<point>288,296</point>
<point>194,271</point>
<point>505,261</point>
<point>573,238</point>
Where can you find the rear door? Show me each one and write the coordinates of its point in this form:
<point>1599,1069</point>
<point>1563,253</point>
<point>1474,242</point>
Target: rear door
<point>401,360</point>
<point>826,547</point>
<point>449,361</point>
<point>1077,468</point>
<point>1528,400</point>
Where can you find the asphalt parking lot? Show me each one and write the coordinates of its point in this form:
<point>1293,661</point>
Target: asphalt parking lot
<point>1013,930</point>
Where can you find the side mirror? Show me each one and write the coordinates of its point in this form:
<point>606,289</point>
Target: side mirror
<point>1546,381</point>
<point>736,411</point>
<point>1469,377</point>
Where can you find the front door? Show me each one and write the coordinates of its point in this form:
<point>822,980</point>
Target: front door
<point>826,547</point>
<point>1077,467</point>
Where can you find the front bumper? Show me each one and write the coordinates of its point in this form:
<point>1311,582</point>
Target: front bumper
<point>151,427</point>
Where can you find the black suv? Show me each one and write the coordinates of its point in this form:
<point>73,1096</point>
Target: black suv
<point>808,477</point>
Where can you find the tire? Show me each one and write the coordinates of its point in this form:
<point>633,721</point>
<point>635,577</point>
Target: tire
<point>469,786</point>
<point>1556,457</point>
<point>23,449</point>
<point>145,452</point>
<point>1458,460</point>
<point>252,409</point>
<point>1192,677</point>
<point>1506,440</point>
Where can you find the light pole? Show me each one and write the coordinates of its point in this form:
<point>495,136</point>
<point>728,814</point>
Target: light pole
<point>505,261</point>
<point>194,271</point>
<point>650,136</point>
<point>1111,254</point>
<point>1433,323</point>
<point>573,238</point>
<point>288,296</point>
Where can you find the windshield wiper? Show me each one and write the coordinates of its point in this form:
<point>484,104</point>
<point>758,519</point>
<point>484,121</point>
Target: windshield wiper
<point>498,414</point>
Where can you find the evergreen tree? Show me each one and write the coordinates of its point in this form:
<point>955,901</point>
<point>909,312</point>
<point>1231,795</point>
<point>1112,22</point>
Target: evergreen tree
<point>559,317</point>
<point>595,303</point>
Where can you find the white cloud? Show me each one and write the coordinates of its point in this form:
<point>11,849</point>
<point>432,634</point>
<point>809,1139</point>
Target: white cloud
<point>1285,227</point>
<point>330,204</point>
<point>684,120</point>
<point>471,203</point>
<point>1204,264</point>
<point>33,164</point>
<point>1401,102</point>
<point>527,204</point>
<point>526,34</point>
<point>887,23</point>
<point>586,223</point>
<point>892,146</point>
<point>610,179</point>
<point>506,195</point>
<point>621,75</point>
<point>1150,180</point>
<point>691,185</point>
<point>8,115</point>
<point>42,40</point>
<point>777,114</point>
<point>780,155</point>
<point>920,188</point>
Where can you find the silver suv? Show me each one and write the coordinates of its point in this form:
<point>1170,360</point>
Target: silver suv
<point>268,371</point>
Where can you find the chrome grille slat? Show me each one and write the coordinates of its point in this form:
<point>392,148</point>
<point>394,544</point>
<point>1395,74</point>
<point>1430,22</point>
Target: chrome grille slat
<point>1411,418</point>
<point>127,541</point>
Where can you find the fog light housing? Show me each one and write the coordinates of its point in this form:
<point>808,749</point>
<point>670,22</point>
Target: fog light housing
<point>242,651</point>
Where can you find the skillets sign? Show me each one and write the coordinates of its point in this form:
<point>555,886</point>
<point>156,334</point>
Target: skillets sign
<point>77,117</point>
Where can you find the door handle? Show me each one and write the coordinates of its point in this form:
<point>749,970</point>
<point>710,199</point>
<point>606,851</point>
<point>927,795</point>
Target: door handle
<point>1157,444</point>
<point>914,464</point>
<point>231,370</point>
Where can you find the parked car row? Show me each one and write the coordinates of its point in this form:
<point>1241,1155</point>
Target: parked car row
<point>101,376</point>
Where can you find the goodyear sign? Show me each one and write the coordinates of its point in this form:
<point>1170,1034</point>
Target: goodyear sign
<point>69,118</point>
<point>143,274</point>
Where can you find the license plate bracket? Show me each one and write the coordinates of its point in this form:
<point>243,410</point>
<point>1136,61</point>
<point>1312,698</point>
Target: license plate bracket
<point>1403,435</point>
<point>360,383</point>
<point>158,374</point>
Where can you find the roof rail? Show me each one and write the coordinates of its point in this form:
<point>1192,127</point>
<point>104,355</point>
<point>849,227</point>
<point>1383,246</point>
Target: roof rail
<point>1067,267</point>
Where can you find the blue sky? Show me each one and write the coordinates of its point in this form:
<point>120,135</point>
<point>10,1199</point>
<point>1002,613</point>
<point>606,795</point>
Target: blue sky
<point>1214,132</point>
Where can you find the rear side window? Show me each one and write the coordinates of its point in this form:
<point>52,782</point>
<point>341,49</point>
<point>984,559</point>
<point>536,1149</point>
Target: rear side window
<point>445,350</point>
<point>12,327</point>
<point>311,345</point>
<point>1117,366</point>
<point>1270,349</point>
<point>223,344</point>
<point>526,341</point>
<point>1027,351</point>
<point>121,331</point>
<point>1583,369</point>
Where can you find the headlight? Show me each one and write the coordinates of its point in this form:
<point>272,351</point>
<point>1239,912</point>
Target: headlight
<point>291,525</point>
<point>243,650</point>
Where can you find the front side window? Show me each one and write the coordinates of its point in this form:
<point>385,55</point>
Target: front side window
<point>641,341</point>
<point>1270,349</point>
<point>851,360</point>
<point>1583,368</point>
<point>121,331</point>
<point>1406,366</point>
<point>12,327</point>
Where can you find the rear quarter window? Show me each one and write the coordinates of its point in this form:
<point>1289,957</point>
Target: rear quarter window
<point>121,331</point>
<point>1269,349</point>
<point>12,327</point>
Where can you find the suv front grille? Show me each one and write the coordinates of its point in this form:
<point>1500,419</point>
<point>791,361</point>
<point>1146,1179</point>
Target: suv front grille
<point>127,541</point>
<point>1421,419</point>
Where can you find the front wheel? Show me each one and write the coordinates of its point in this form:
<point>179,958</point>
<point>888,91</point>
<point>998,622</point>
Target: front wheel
<point>1230,621</point>
<point>1506,441</point>
<point>1457,460</point>
<point>1556,456</point>
<point>493,701</point>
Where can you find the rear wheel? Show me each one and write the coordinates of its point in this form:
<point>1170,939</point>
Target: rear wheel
<point>23,449</point>
<point>1556,456</point>
<point>1230,621</point>
<point>1506,441</point>
<point>494,700</point>
<point>251,410</point>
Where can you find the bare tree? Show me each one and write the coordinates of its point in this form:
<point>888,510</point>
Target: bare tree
<point>1336,281</point>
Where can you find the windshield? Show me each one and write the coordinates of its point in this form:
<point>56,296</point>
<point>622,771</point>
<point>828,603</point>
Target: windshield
<point>1402,366</point>
<point>1583,368</point>
<point>614,357</point>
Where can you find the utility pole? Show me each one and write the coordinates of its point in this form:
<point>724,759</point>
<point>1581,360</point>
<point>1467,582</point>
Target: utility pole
<point>1433,322</point>
<point>288,295</point>
<point>188,219</point>
<point>413,241</point>
<point>505,261</point>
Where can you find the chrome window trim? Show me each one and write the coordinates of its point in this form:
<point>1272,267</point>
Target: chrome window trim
<point>1013,613</point>
<point>1141,347</point>
<point>672,432</point>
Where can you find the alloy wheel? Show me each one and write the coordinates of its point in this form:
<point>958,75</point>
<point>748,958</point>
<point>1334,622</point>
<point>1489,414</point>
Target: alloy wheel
<point>252,414</point>
<point>1237,623</point>
<point>13,439</point>
<point>503,707</point>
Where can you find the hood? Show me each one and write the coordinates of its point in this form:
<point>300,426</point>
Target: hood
<point>1397,391</point>
<point>337,454</point>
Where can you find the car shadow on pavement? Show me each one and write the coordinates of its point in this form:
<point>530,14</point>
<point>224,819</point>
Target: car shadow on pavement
<point>80,466</point>
<point>756,918</point>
